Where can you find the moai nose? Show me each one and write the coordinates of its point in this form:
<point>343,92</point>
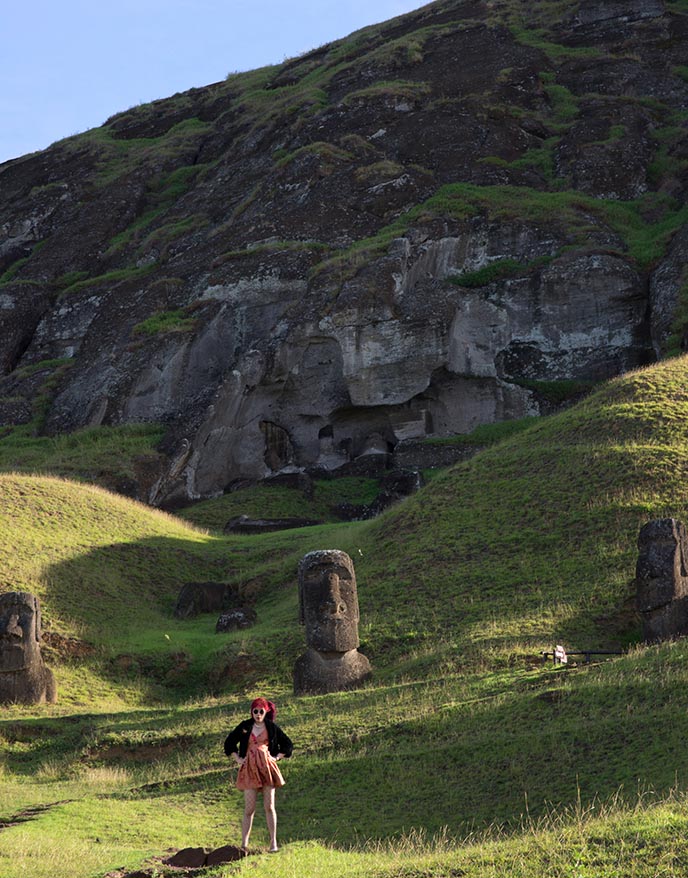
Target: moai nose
<point>10,627</point>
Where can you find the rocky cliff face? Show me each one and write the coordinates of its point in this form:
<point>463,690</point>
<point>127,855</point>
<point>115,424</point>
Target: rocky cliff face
<point>415,230</point>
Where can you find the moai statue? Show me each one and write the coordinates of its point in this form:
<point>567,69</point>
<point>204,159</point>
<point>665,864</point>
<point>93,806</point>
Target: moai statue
<point>328,604</point>
<point>24,678</point>
<point>662,579</point>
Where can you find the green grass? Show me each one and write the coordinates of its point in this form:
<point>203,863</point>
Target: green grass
<point>563,102</point>
<point>402,90</point>
<point>668,163</point>
<point>163,193</point>
<point>163,235</point>
<point>558,392</point>
<point>121,156</point>
<point>95,454</point>
<point>13,270</point>
<point>378,171</point>
<point>270,501</point>
<point>538,39</point>
<point>541,160</point>
<point>575,215</point>
<point>494,271</point>
<point>271,247</point>
<point>70,278</point>
<point>165,321</point>
<point>486,434</point>
<point>116,276</point>
<point>10,273</point>
<point>329,154</point>
<point>533,764</point>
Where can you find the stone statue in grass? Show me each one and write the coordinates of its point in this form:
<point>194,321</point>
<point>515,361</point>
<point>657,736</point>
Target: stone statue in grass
<point>328,604</point>
<point>661,578</point>
<point>24,678</point>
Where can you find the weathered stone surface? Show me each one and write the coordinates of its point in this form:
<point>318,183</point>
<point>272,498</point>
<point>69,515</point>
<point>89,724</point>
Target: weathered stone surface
<point>24,678</point>
<point>596,12</point>
<point>551,323</point>
<point>426,455</point>
<point>328,600</point>
<point>604,163</point>
<point>236,619</point>
<point>242,524</point>
<point>328,604</point>
<point>320,672</point>
<point>298,481</point>
<point>202,597</point>
<point>665,286</point>
<point>662,579</point>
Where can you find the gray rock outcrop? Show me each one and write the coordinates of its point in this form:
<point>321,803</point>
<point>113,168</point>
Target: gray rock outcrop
<point>202,597</point>
<point>236,619</point>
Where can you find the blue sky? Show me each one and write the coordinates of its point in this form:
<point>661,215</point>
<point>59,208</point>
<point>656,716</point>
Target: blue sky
<point>67,65</point>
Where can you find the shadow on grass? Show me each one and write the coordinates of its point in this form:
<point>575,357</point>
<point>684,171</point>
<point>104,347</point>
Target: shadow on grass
<point>120,597</point>
<point>528,746</point>
<point>468,770</point>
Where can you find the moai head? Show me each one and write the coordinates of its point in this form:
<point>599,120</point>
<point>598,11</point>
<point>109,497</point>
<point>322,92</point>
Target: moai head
<point>328,601</point>
<point>661,574</point>
<point>20,631</point>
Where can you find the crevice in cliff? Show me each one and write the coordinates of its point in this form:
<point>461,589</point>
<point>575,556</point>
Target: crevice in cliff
<point>23,343</point>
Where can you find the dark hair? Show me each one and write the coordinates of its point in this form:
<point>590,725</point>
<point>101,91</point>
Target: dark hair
<point>270,709</point>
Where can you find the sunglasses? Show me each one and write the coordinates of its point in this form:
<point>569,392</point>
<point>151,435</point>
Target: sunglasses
<point>258,710</point>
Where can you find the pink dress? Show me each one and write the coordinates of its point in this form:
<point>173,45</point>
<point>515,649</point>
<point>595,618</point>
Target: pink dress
<point>260,768</point>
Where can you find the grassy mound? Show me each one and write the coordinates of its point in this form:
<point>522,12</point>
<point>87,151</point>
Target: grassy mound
<point>534,540</point>
<point>107,570</point>
<point>465,754</point>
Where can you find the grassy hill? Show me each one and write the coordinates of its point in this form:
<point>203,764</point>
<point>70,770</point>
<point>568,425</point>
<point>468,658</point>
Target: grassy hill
<point>464,756</point>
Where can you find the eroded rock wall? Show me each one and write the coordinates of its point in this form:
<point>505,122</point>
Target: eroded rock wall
<point>407,233</point>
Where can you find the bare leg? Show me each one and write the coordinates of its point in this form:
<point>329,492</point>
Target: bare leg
<point>270,815</point>
<point>250,797</point>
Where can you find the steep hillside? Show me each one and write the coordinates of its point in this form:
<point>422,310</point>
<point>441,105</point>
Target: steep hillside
<point>538,534</point>
<point>540,768</point>
<point>405,233</point>
<point>531,542</point>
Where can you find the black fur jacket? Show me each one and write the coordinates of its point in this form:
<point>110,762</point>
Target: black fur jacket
<point>278,742</point>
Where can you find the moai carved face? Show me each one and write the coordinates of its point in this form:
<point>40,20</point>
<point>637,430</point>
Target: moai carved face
<point>20,631</point>
<point>329,601</point>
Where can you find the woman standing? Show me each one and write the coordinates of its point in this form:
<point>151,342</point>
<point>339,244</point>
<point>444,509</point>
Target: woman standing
<point>256,745</point>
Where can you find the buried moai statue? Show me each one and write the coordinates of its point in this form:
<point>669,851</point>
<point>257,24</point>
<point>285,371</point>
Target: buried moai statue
<point>328,606</point>
<point>662,579</point>
<point>24,678</point>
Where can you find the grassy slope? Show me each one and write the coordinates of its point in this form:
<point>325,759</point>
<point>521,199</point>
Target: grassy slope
<point>529,542</point>
<point>266,501</point>
<point>105,455</point>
